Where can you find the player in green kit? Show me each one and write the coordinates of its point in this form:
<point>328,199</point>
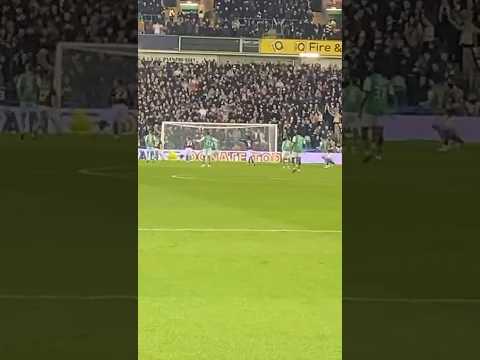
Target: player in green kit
<point>28,94</point>
<point>377,90</point>
<point>150,143</point>
<point>298,145</point>
<point>209,144</point>
<point>352,104</point>
<point>286,152</point>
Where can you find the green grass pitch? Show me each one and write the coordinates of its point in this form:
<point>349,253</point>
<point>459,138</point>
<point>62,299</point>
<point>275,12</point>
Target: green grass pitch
<point>228,292</point>
<point>217,295</point>
<point>66,236</point>
<point>411,250</point>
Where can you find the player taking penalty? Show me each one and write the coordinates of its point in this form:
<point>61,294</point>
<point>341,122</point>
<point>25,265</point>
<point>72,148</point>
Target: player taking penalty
<point>286,152</point>
<point>298,145</point>
<point>119,100</point>
<point>209,144</point>
<point>188,149</point>
<point>47,102</point>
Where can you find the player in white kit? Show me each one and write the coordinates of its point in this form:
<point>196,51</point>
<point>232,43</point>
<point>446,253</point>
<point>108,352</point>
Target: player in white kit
<point>188,149</point>
<point>119,99</point>
<point>249,150</point>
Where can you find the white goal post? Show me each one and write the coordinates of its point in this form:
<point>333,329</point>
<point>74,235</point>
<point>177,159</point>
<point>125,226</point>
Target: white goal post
<point>230,136</point>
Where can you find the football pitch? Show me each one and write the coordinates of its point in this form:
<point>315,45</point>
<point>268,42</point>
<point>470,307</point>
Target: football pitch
<point>230,292</point>
<point>68,247</point>
<point>410,255</point>
<point>239,262</point>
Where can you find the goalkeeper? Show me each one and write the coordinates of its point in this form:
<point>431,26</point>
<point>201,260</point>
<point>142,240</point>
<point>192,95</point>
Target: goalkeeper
<point>249,147</point>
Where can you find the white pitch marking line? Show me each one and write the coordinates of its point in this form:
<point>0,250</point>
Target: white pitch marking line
<point>182,177</point>
<point>136,298</point>
<point>101,172</point>
<point>238,230</point>
<point>67,297</point>
<point>412,300</point>
<point>93,173</point>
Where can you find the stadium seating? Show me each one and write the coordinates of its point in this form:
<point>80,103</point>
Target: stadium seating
<point>415,44</point>
<point>305,97</point>
<point>287,18</point>
<point>150,6</point>
<point>30,30</point>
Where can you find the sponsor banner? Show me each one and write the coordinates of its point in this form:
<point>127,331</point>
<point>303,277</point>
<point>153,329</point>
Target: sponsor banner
<point>68,121</point>
<point>413,127</point>
<point>236,156</point>
<point>324,48</point>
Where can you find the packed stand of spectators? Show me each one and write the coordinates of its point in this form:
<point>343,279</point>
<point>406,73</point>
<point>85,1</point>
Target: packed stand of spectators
<point>422,46</point>
<point>31,29</point>
<point>305,98</point>
<point>238,18</point>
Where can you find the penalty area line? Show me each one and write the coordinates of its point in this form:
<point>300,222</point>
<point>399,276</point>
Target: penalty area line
<point>156,229</point>
<point>105,172</point>
<point>183,177</point>
<point>68,297</point>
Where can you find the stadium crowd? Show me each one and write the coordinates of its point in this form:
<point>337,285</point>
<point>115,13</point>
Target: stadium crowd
<point>305,97</point>
<point>31,29</point>
<point>239,18</point>
<point>421,45</point>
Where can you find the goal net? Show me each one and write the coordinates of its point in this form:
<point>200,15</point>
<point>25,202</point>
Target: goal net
<point>230,136</point>
<point>84,73</point>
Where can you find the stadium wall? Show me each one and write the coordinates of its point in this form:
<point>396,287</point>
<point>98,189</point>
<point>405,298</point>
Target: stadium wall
<point>397,127</point>
<point>324,48</point>
<point>190,57</point>
<point>238,50</point>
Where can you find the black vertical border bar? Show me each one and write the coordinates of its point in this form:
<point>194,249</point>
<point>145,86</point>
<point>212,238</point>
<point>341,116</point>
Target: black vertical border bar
<point>68,248</point>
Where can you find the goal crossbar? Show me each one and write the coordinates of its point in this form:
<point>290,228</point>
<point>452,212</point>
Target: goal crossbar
<point>198,125</point>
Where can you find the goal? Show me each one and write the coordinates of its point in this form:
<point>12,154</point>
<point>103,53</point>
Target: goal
<point>230,136</point>
<point>84,72</point>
